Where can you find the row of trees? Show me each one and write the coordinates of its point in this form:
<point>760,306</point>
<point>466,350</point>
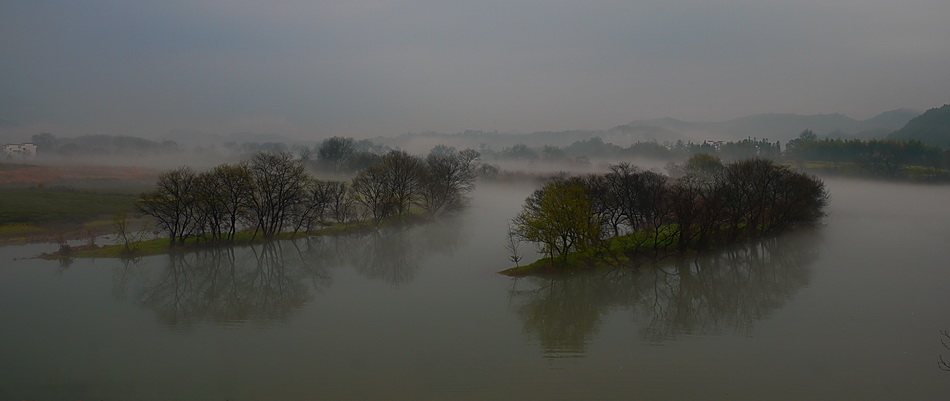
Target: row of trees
<point>879,157</point>
<point>342,155</point>
<point>102,145</point>
<point>595,147</point>
<point>272,193</point>
<point>709,203</point>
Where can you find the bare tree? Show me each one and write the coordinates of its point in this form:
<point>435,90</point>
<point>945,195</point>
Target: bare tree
<point>172,203</point>
<point>371,190</point>
<point>235,190</point>
<point>314,206</point>
<point>513,245</point>
<point>654,205</point>
<point>449,176</point>
<point>279,181</point>
<point>404,175</point>
<point>129,237</point>
<point>943,365</point>
<point>684,197</point>
<point>341,203</point>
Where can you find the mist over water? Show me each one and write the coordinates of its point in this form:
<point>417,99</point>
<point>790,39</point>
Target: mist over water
<point>850,309</point>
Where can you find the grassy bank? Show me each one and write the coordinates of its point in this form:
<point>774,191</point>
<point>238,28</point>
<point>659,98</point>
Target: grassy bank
<point>44,205</point>
<point>43,214</point>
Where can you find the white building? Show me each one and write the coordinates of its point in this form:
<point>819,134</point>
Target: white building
<point>19,151</point>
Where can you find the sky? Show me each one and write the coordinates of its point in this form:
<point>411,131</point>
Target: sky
<point>364,68</point>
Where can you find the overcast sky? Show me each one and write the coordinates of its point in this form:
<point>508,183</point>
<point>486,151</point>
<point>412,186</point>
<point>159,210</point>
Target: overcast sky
<point>311,69</point>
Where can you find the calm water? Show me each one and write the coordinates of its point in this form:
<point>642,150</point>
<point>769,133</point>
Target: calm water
<point>850,310</point>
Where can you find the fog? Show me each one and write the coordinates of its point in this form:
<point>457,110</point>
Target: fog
<point>381,68</point>
<point>849,309</point>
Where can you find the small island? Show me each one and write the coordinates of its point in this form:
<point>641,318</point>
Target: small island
<point>272,196</point>
<point>609,220</point>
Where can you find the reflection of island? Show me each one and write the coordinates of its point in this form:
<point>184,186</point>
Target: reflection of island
<point>270,281</point>
<point>726,291</point>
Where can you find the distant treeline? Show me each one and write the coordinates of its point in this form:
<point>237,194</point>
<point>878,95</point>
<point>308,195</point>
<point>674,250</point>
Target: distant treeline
<point>876,157</point>
<point>629,210</point>
<point>806,147</point>
<point>272,193</point>
<point>101,145</point>
<point>884,158</point>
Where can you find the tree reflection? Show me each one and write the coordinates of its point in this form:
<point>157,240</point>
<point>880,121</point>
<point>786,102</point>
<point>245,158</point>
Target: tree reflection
<point>385,254</point>
<point>393,254</point>
<point>723,292</point>
<point>943,364</point>
<point>228,285</point>
<point>270,281</point>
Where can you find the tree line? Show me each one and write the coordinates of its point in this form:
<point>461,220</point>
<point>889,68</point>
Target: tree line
<point>102,145</point>
<point>273,193</point>
<point>629,210</point>
<point>874,157</point>
<point>878,157</point>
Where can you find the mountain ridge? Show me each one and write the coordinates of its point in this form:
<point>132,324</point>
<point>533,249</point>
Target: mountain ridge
<point>932,128</point>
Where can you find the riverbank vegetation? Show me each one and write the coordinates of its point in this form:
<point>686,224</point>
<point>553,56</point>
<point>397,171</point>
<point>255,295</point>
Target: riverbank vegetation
<point>273,196</point>
<point>610,219</point>
<point>46,203</point>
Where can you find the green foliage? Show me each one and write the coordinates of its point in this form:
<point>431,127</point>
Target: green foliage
<point>19,230</point>
<point>879,158</point>
<point>560,217</point>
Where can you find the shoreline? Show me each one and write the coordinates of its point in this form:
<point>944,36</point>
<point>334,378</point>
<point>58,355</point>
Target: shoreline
<point>160,246</point>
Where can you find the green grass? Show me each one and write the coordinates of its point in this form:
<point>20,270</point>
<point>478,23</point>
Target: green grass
<point>610,253</point>
<point>19,230</point>
<point>36,206</point>
<point>904,172</point>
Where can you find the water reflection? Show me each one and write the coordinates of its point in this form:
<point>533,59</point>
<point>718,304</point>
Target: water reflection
<point>224,285</point>
<point>724,292</point>
<point>943,364</point>
<point>269,282</point>
<point>393,254</point>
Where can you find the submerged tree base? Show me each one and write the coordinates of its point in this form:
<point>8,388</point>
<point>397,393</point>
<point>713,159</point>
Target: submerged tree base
<point>162,245</point>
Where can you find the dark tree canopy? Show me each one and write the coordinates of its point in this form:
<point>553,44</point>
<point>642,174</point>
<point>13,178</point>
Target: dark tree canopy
<point>709,204</point>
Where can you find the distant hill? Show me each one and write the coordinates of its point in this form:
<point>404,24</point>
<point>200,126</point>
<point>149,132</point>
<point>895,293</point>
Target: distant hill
<point>778,126</point>
<point>931,128</point>
<point>892,120</point>
<point>774,127</point>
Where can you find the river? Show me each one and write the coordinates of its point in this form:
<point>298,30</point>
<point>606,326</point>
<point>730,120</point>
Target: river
<point>852,309</point>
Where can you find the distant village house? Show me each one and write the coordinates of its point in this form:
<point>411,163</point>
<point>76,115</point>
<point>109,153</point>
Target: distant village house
<point>19,151</point>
